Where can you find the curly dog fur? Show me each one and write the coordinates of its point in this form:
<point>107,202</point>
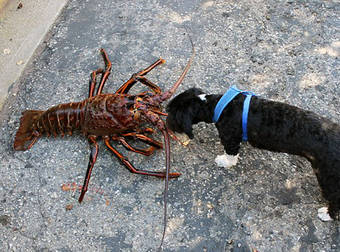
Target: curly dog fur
<point>273,126</point>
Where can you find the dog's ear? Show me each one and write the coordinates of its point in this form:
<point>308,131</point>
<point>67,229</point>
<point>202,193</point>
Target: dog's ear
<point>179,120</point>
<point>182,111</point>
<point>184,119</point>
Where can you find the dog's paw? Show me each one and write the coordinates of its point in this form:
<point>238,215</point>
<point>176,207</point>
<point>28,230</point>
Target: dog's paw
<point>183,139</point>
<point>323,214</point>
<point>226,160</point>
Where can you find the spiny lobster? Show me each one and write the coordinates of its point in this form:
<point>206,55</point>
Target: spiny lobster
<point>108,116</point>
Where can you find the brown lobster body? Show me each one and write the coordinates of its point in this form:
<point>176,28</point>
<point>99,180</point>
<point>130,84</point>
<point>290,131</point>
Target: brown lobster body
<point>111,114</point>
<point>115,117</point>
<point>101,115</point>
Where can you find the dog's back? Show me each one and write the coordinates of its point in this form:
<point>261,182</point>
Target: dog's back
<point>282,127</point>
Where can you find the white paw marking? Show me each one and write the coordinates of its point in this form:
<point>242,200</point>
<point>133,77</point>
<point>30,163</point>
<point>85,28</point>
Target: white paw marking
<point>226,160</point>
<point>202,97</point>
<point>323,214</point>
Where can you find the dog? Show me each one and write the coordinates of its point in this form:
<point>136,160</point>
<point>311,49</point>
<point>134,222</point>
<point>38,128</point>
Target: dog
<point>271,125</point>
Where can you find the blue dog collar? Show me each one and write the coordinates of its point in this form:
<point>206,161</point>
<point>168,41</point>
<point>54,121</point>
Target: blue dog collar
<point>232,92</point>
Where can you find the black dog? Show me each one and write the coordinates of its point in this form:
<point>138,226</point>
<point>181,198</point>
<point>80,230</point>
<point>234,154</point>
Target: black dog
<point>272,126</point>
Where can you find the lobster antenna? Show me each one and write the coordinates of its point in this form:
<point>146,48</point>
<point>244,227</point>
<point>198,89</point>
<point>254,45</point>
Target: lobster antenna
<point>166,96</point>
<point>169,93</point>
<point>167,162</point>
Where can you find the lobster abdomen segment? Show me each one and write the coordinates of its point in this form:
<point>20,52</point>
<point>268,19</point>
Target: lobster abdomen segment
<point>57,120</point>
<point>61,119</point>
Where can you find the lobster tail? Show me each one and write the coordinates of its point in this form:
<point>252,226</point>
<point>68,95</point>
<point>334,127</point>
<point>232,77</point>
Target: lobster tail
<point>26,137</point>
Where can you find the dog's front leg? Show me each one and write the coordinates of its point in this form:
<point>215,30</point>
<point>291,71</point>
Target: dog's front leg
<point>231,146</point>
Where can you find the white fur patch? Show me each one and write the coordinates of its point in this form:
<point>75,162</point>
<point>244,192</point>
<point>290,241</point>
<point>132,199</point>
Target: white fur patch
<point>226,160</point>
<point>202,97</point>
<point>323,214</point>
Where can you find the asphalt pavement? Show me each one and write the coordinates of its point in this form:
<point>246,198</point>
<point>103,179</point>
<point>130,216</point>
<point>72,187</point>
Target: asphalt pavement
<point>282,50</point>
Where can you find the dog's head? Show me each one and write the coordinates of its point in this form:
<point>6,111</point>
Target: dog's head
<point>186,109</point>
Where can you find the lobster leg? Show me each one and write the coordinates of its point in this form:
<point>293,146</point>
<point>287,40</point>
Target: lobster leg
<point>151,131</point>
<point>92,139</point>
<point>93,81</point>
<point>93,158</point>
<point>105,75</point>
<point>145,139</point>
<point>132,169</point>
<point>148,83</point>
<point>127,85</point>
<point>146,152</point>
<point>108,66</point>
<point>146,130</point>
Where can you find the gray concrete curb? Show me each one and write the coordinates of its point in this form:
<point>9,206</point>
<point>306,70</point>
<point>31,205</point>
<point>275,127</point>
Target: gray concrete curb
<point>22,30</point>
